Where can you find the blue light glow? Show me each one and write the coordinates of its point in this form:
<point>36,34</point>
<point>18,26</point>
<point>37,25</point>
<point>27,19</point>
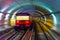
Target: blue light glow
<point>54,19</point>
<point>4,8</point>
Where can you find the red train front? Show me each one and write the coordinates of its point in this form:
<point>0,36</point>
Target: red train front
<point>22,20</point>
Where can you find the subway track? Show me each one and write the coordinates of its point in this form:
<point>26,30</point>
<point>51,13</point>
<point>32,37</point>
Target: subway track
<point>29,34</point>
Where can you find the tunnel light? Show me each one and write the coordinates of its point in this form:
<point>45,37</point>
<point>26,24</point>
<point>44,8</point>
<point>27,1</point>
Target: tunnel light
<point>9,11</point>
<point>55,20</point>
<point>4,8</point>
<point>7,16</point>
<point>1,15</point>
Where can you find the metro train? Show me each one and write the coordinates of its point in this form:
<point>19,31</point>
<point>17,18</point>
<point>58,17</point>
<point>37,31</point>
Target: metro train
<point>22,20</point>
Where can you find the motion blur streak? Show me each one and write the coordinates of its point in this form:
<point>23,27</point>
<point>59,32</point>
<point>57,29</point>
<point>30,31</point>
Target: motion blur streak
<point>43,19</point>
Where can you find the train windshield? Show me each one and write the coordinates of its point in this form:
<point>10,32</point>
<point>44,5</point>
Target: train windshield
<point>22,17</point>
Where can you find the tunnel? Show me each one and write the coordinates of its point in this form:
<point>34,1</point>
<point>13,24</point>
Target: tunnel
<point>41,17</point>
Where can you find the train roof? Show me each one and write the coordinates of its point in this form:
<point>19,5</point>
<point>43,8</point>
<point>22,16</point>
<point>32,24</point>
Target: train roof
<point>23,13</point>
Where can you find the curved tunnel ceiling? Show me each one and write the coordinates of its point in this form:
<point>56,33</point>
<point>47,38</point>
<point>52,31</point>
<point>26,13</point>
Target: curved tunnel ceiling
<point>9,7</point>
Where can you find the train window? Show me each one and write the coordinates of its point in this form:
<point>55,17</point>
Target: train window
<point>22,17</point>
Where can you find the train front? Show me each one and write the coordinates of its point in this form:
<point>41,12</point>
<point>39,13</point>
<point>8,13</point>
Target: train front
<point>22,21</point>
